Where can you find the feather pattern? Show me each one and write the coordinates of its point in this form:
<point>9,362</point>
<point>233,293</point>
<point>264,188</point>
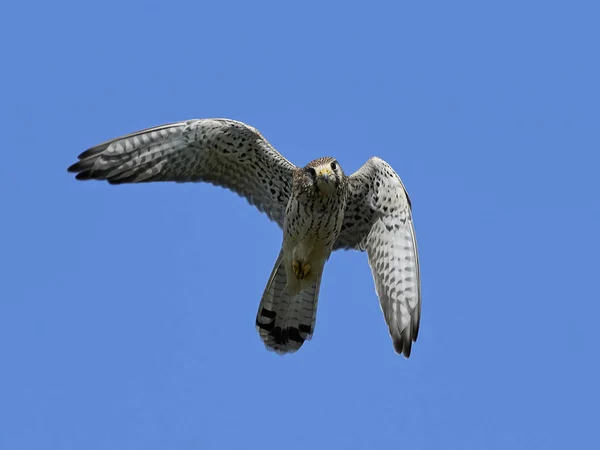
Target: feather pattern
<point>285,321</point>
<point>222,152</point>
<point>318,212</point>
<point>378,219</point>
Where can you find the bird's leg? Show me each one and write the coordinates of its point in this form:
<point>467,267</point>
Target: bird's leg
<point>301,270</point>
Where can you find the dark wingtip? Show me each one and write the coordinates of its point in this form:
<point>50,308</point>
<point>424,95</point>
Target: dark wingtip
<point>74,168</point>
<point>86,161</point>
<point>403,348</point>
<point>85,175</point>
<point>92,151</point>
<point>415,332</point>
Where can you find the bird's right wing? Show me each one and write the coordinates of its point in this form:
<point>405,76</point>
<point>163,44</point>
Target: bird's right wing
<point>222,152</point>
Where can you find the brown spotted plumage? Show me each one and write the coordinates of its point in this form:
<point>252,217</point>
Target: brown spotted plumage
<point>318,207</point>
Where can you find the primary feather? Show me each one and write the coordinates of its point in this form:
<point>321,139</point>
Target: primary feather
<point>378,219</point>
<point>219,151</point>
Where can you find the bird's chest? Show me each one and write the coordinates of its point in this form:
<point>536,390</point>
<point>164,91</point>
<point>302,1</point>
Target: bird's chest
<point>313,219</point>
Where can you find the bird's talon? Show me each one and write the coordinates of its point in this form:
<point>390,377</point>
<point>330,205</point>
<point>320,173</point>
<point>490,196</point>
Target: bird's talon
<point>305,269</point>
<point>300,270</point>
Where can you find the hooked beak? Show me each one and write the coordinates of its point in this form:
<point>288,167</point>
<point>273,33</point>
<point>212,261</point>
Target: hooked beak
<point>324,172</point>
<point>326,180</point>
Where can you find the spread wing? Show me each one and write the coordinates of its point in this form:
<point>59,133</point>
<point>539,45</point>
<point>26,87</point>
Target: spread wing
<point>218,151</point>
<point>378,219</point>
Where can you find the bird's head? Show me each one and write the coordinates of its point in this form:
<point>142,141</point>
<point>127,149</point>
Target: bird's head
<point>325,174</point>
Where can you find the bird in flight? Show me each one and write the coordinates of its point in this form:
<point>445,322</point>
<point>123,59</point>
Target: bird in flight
<point>318,207</point>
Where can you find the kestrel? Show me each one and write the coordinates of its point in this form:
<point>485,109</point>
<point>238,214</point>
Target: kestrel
<point>318,207</point>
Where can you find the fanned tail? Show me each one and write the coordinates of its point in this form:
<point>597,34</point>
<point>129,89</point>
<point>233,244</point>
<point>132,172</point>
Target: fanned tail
<point>285,321</point>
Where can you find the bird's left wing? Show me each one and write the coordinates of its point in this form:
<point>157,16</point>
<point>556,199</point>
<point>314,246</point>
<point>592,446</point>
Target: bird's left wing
<point>378,219</point>
<point>222,152</point>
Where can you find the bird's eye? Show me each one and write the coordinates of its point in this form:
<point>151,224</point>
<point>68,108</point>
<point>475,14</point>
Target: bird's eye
<point>312,172</point>
<point>333,166</point>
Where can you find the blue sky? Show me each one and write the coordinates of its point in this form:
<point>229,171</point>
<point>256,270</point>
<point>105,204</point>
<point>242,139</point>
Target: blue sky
<point>120,327</point>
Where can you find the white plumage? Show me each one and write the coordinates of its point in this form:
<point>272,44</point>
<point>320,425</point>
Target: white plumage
<point>319,208</point>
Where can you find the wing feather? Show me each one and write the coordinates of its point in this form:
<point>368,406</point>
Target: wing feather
<point>222,152</point>
<point>379,220</point>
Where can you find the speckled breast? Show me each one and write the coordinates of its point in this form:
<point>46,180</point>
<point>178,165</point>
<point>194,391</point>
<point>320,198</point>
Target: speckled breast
<point>315,218</point>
